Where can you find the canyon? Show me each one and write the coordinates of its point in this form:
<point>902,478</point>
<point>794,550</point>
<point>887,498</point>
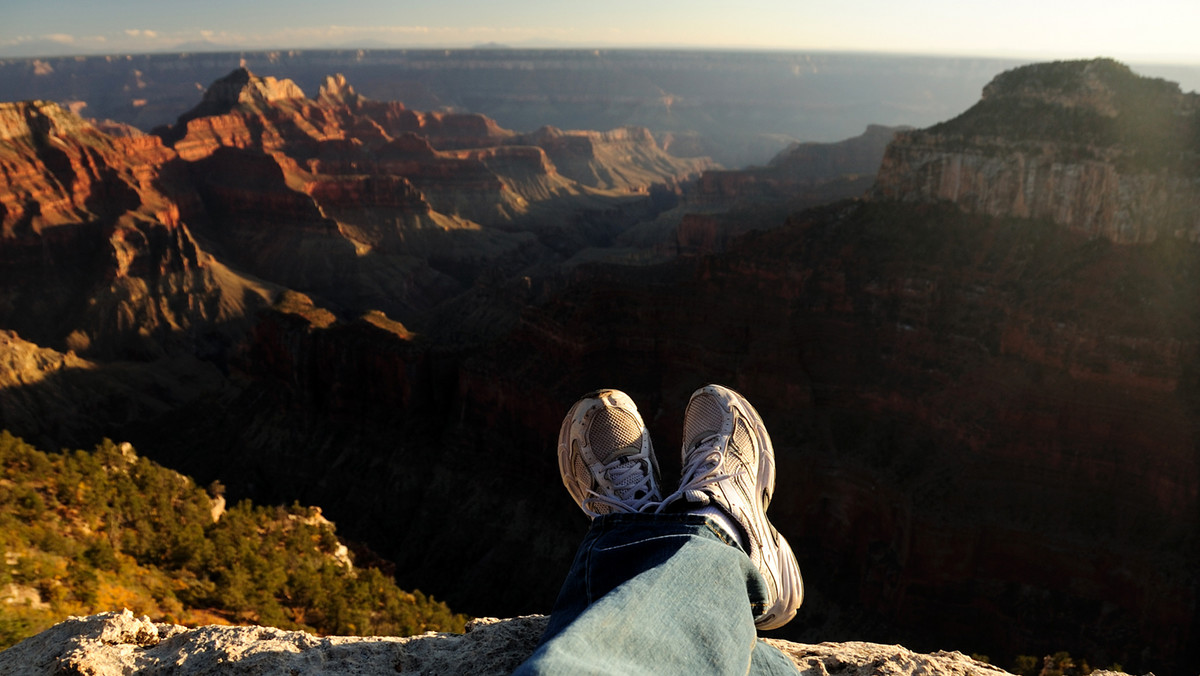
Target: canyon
<point>739,108</point>
<point>978,365</point>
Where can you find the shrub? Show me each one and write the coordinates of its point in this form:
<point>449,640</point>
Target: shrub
<point>110,527</point>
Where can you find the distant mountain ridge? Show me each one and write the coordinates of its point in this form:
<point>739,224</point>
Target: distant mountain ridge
<point>738,107</point>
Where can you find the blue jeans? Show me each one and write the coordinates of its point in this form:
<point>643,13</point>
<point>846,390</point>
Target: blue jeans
<point>657,594</point>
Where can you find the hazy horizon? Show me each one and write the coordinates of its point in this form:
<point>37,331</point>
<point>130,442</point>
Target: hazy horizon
<point>1154,32</point>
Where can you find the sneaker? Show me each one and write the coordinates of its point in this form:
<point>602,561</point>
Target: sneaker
<point>605,455</point>
<point>728,462</point>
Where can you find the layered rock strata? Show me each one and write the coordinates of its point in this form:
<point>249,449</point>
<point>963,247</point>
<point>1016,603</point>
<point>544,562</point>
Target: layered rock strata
<point>337,196</point>
<point>1088,145</point>
<point>96,255</point>
<point>370,205</point>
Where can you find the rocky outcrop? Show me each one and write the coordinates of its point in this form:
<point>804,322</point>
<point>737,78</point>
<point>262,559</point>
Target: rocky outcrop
<point>371,205</point>
<point>1087,145</point>
<point>25,121</point>
<point>57,169</point>
<point>724,204</point>
<point>118,644</point>
<point>96,255</point>
<point>804,175</point>
<point>625,159</point>
<point>242,89</point>
<point>243,109</point>
<point>825,161</point>
<point>446,131</point>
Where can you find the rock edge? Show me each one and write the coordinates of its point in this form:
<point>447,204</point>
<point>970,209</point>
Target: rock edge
<point>114,643</point>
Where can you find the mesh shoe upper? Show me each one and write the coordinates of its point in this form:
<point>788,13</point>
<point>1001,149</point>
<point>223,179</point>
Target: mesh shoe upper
<point>606,457</point>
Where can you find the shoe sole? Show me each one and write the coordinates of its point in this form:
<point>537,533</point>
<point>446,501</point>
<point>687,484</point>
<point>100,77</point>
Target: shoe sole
<point>778,563</point>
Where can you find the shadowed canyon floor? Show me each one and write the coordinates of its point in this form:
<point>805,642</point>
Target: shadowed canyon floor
<point>981,379</point>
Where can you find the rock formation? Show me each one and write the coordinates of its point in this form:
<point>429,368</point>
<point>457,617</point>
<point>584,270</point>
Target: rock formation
<point>825,161</point>
<point>96,255</point>
<point>118,644</point>
<point>336,196</point>
<point>628,158</point>
<point>798,168</point>
<point>724,204</point>
<point>372,205</point>
<point>1088,145</point>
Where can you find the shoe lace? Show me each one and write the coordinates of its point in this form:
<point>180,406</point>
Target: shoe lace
<point>632,481</point>
<point>705,456</point>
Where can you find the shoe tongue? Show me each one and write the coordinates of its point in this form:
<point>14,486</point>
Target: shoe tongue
<point>622,455</point>
<point>625,473</point>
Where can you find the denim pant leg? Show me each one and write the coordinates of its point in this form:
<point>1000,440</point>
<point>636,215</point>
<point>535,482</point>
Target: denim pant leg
<point>656,594</point>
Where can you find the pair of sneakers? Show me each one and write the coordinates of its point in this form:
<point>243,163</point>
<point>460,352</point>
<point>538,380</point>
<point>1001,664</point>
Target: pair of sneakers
<point>608,466</point>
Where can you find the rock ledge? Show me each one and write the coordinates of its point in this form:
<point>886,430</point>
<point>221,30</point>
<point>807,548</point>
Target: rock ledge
<point>119,643</point>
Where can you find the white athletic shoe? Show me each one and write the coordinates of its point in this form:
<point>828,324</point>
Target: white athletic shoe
<point>605,456</point>
<point>728,461</point>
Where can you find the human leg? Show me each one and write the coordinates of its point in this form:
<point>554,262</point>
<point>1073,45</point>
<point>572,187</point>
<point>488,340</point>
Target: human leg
<point>655,594</point>
<point>729,464</point>
<point>662,592</point>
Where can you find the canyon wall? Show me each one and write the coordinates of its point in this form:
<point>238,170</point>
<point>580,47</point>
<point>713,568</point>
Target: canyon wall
<point>960,406</point>
<point>95,255</point>
<point>1100,151</point>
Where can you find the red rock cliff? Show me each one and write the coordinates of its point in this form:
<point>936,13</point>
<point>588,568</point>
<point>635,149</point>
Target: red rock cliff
<point>96,256</point>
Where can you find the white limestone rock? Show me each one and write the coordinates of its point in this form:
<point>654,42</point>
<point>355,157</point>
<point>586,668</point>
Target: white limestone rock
<point>119,644</point>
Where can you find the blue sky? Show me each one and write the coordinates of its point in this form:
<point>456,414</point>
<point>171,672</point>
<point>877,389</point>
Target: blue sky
<point>1142,31</point>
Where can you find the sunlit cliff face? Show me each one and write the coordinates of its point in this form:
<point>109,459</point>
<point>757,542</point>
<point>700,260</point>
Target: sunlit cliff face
<point>1088,145</point>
